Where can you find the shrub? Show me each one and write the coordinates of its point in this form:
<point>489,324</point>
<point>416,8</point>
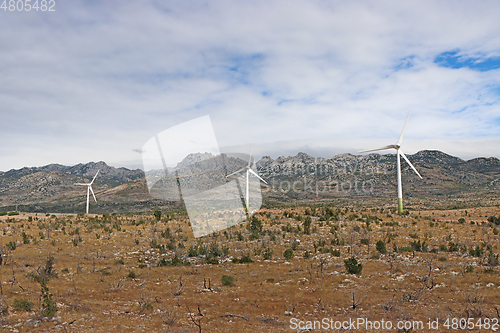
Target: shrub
<point>212,261</point>
<point>227,280</point>
<point>477,252</point>
<point>419,247</point>
<point>11,246</point>
<point>452,247</point>
<point>22,304</point>
<point>175,261</point>
<point>365,241</point>
<point>352,266</point>
<point>26,240</point>
<point>469,269</point>
<point>131,275</point>
<point>288,254</point>
<point>193,251</point>
<point>380,246</point>
<point>307,225</point>
<point>255,225</point>
<point>157,214</point>
<point>245,259</point>
<point>335,253</point>
<point>268,254</point>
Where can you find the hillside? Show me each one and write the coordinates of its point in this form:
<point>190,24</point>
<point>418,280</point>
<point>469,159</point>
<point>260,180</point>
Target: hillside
<point>294,178</point>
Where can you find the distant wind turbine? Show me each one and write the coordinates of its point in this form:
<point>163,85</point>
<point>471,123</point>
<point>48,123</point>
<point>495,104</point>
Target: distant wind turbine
<point>248,170</point>
<point>89,189</point>
<point>399,153</point>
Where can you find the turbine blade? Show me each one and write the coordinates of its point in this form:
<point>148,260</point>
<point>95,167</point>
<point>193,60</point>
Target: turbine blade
<point>234,173</point>
<point>403,131</point>
<point>250,156</point>
<point>90,187</point>
<point>81,184</point>
<point>94,177</point>
<point>381,148</point>
<point>408,161</point>
<point>256,175</point>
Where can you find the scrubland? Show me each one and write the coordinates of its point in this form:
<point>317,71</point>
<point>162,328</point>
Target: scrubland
<point>147,273</point>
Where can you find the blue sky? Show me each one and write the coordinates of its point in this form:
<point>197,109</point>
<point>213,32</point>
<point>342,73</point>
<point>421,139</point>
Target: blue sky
<point>96,80</point>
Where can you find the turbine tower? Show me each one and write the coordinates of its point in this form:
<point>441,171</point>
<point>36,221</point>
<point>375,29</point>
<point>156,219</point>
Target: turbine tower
<point>399,153</point>
<point>248,170</point>
<point>89,189</point>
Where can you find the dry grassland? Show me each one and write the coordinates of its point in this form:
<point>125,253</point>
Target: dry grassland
<point>108,274</point>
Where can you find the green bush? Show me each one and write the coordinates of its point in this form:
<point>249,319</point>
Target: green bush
<point>335,253</point>
<point>245,259</point>
<point>227,280</point>
<point>212,261</point>
<point>193,251</point>
<point>288,254</point>
<point>352,266</point>
<point>131,275</point>
<point>157,214</point>
<point>175,261</point>
<point>22,304</point>
<point>380,246</point>
<point>268,254</point>
<point>477,252</point>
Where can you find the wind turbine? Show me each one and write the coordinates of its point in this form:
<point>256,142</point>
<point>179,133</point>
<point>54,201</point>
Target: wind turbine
<point>399,153</point>
<point>89,189</point>
<point>248,170</point>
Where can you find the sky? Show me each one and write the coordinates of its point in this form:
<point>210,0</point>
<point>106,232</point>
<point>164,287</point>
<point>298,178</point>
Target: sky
<point>95,80</point>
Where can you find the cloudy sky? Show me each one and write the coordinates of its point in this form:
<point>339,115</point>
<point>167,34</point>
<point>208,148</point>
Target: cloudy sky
<point>95,80</point>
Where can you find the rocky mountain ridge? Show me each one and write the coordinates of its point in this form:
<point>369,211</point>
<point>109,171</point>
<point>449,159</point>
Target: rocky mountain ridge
<point>290,178</point>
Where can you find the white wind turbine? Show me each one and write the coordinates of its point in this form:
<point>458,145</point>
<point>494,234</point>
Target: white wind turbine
<point>248,170</point>
<point>89,189</point>
<point>399,153</point>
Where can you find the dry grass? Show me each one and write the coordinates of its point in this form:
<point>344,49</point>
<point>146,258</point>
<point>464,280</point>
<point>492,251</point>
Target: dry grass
<point>95,289</point>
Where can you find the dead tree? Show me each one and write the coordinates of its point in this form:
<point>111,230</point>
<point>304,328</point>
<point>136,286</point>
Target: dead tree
<point>322,263</point>
<point>428,280</point>
<point>195,318</point>
<point>355,301</point>
<point>179,290</point>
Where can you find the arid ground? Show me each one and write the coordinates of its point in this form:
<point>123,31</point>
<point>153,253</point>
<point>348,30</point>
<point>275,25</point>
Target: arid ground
<point>281,271</point>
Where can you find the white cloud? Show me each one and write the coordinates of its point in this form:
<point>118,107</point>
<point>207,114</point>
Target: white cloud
<point>93,81</point>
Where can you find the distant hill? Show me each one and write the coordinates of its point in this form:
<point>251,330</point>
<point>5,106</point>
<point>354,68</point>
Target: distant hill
<point>300,177</point>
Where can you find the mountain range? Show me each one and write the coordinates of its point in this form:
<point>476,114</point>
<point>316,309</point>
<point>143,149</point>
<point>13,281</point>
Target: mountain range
<point>359,178</point>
